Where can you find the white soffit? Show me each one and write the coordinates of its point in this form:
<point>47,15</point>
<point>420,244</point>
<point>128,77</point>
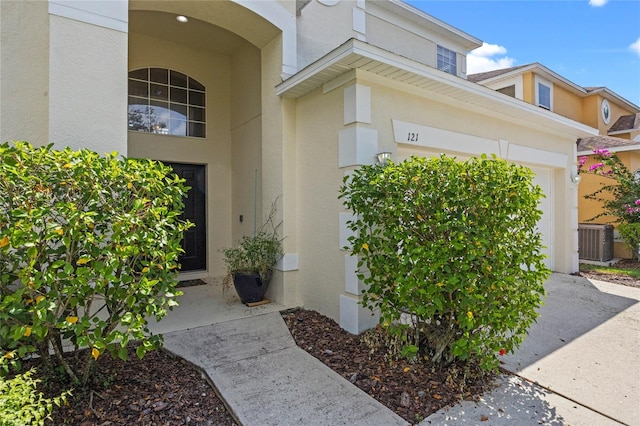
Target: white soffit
<point>355,54</point>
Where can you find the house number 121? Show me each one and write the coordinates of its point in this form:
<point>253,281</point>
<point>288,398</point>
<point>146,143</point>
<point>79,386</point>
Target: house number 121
<point>412,137</point>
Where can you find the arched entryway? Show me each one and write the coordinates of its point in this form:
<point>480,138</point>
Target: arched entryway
<point>219,135</point>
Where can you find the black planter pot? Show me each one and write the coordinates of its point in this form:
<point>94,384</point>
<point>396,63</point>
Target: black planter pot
<point>250,288</point>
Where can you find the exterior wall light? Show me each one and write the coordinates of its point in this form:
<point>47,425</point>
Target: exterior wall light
<point>383,158</point>
<point>575,179</point>
<point>182,18</point>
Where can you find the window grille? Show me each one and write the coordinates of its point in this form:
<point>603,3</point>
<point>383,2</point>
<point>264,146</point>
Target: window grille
<point>447,61</point>
<point>544,96</point>
<point>166,102</point>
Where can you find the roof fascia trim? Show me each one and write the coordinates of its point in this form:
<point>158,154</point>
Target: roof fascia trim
<point>621,132</point>
<point>614,96</point>
<point>532,67</point>
<point>512,73</point>
<point>543,71</point>
<point>315,67</point>
<point>618,149</point>
<point>363,49</point>
<point>412,13</point>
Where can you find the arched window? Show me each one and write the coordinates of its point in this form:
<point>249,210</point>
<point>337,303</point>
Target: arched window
<point>166,102</point>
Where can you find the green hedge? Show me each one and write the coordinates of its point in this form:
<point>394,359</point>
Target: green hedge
<point>89,249</point>
<point>450,253</point>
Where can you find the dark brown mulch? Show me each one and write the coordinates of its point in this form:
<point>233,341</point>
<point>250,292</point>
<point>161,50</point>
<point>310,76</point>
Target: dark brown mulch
<point>615,278</point>
<point>412,390</point>
<point>160,389</point>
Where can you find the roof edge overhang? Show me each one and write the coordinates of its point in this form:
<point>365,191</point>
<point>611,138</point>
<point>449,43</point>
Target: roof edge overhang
<point>542,71</point>
<point>567,84</point>
<point>622,132</point>
<point>610,143</point>
<point>606,93</point>
<point>614,150</point>
<point>357,55</point>
<point>423,19</point>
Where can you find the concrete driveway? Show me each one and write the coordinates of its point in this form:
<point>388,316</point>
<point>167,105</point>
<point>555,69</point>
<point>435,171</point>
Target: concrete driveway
<point>579,365</point>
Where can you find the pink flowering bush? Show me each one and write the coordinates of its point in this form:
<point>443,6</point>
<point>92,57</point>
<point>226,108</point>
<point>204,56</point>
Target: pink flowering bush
<point>624,194</point>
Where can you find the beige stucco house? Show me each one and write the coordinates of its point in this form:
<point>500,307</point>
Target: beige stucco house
<point>262,100</point>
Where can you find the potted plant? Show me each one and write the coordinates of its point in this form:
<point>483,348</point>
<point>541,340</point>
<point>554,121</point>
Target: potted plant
<point>250,264</point>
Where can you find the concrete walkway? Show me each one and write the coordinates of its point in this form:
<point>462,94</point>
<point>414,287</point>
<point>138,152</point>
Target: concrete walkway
<point>265,379</point>
<point>579,365</point>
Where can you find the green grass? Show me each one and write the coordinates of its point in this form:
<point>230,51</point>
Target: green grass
<point>631,272</point>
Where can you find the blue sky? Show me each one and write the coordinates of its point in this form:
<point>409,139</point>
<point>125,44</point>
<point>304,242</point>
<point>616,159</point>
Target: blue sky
<point>589,42</point>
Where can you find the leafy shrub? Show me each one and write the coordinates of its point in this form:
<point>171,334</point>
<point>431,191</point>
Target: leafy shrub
<point>21,403</point>
<point>89,249</point>
<point>257,254</point>
<point>630,233</point>
<point>453,258</point>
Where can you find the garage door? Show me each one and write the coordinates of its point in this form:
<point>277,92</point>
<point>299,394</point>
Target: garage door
<point>544,178</point>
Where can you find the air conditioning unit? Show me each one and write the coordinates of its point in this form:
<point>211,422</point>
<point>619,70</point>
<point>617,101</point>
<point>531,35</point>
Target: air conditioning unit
<point>595,242</point>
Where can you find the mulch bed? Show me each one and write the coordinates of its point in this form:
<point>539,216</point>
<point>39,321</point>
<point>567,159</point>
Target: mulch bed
<point>162,389</point>
<point>412,390</point>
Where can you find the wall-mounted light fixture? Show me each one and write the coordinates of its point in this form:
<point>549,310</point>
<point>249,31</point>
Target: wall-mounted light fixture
<point>383,158</point>
<point>575,179</point>
<point>182,18</point>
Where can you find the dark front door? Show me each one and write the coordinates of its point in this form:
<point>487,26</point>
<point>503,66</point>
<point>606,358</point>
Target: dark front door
<point>195,239</point>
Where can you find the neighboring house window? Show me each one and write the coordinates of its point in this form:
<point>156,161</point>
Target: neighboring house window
<point>166,102</point>
<point>447,60</point>
<point>544,94</point>
<point>509,90</point>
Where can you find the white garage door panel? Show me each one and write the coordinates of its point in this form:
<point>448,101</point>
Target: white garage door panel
<point>544,178</point>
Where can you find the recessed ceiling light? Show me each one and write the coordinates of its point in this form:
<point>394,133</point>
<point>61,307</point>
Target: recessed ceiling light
<point>181,18</point>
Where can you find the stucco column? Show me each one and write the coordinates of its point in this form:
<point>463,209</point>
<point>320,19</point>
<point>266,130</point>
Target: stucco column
<point>88,74</point>
<point>279,172</point>
<point>358,145</point>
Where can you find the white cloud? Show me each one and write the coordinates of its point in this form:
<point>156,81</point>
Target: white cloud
<point>635,47</point>
<point>489,50</point>
<point>597,3</point>
<point>488,57</point>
